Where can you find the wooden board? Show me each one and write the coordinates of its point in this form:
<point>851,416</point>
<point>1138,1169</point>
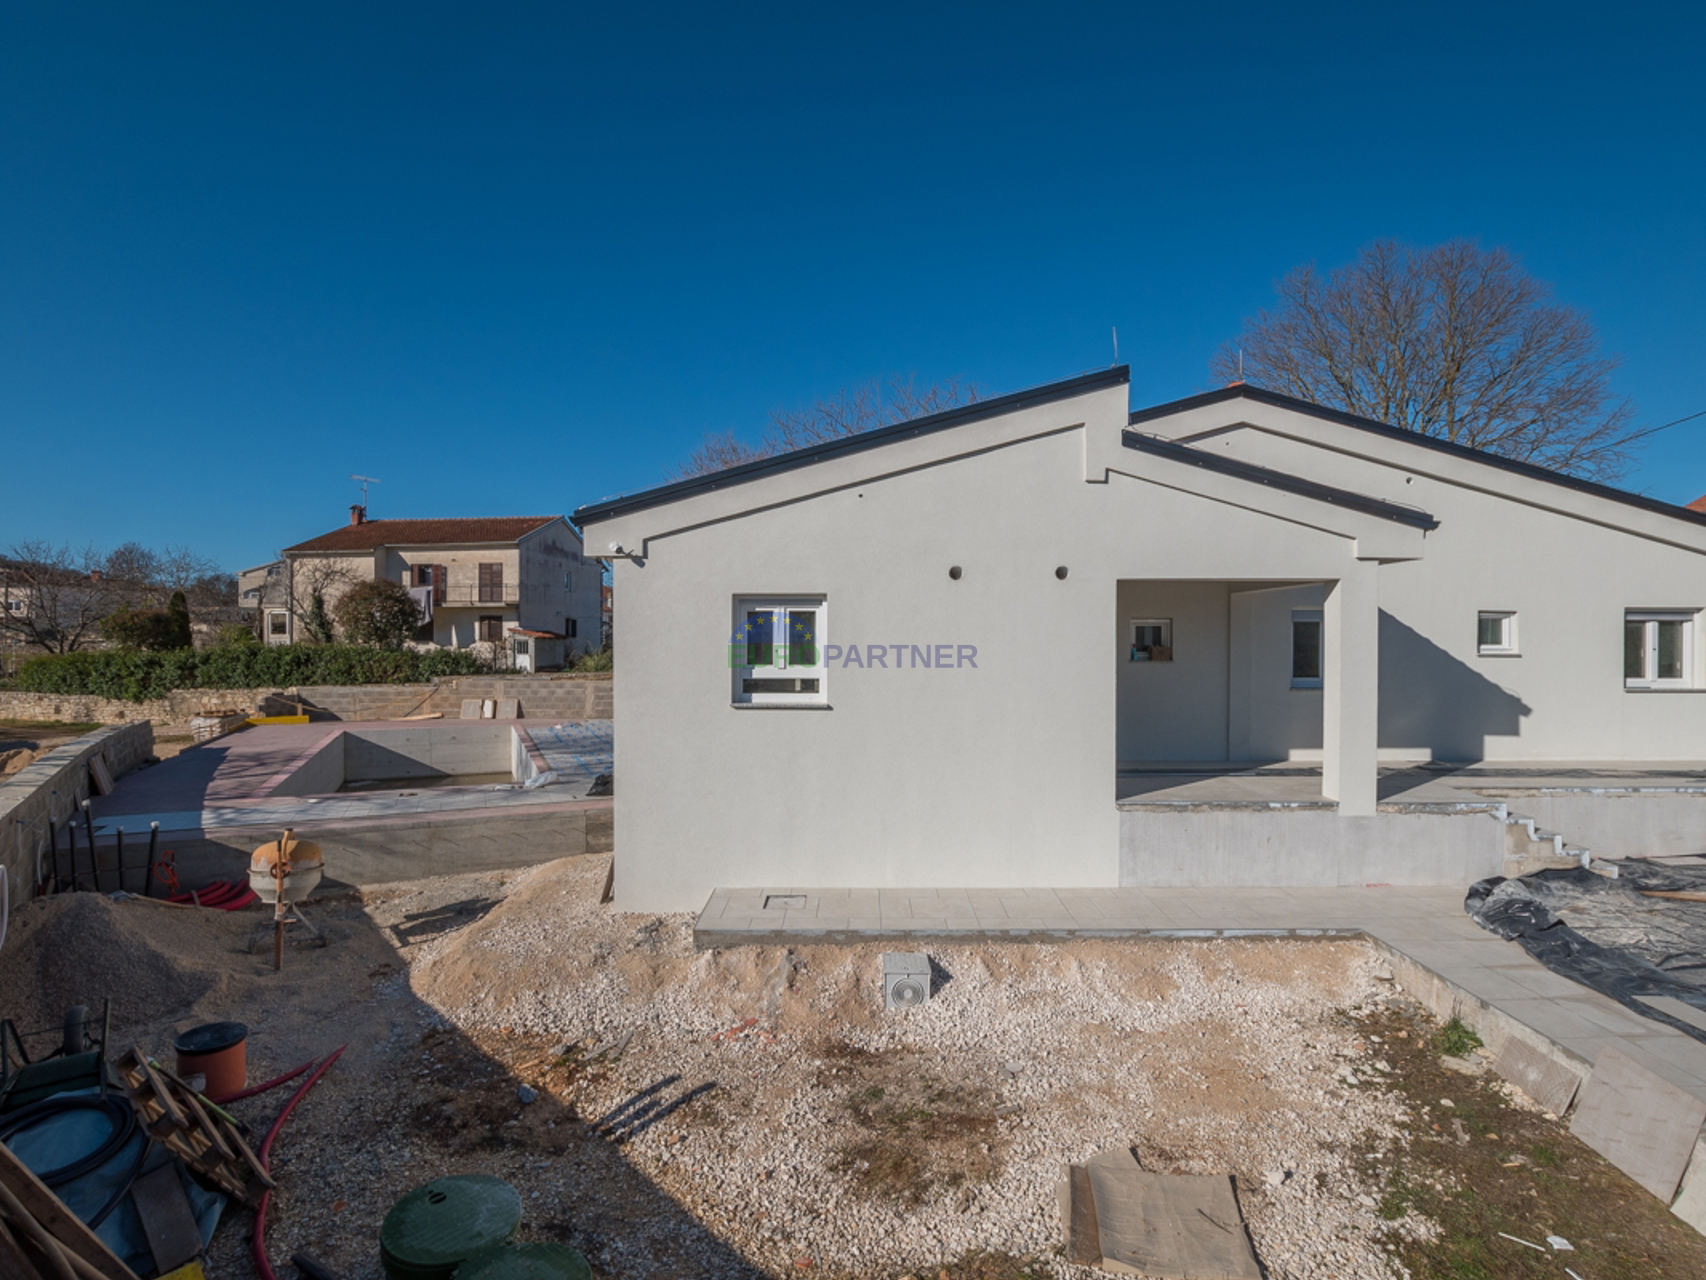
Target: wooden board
<point>59,1222</point>
<point>1639,1121</point>
<point>100,775</point>
<point>167,1219</point>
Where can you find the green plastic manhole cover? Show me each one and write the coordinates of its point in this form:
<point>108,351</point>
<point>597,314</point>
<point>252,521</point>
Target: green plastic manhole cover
<point>434,1228</point>
<point>527,1262</point>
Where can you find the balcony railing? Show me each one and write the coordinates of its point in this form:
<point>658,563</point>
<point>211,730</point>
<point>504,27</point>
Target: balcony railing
<point>470,597</point>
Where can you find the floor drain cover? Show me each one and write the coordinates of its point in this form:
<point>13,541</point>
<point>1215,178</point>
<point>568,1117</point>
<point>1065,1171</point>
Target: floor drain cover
<point>780,901</point>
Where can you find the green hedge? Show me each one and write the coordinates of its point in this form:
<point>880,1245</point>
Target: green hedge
<point>139,676</point>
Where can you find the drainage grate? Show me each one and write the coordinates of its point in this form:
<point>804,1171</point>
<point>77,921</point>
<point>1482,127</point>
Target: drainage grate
<point>784,901</point>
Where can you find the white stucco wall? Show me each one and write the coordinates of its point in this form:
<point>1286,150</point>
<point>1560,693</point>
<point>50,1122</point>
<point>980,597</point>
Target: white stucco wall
<point>996,775</point>
<point>1569,563</point>
<point>1002,774</point>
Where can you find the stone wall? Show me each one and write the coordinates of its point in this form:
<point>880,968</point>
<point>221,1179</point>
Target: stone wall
<point>175,708</point>
<point>50,790</point>
<point>542,697</point>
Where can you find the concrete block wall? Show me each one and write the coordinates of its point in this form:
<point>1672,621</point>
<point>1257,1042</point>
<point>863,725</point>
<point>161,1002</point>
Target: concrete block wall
<point>50,790</point>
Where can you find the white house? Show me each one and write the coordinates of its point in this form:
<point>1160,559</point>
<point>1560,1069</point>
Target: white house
<point>922,656</point>
<point>517,586</point>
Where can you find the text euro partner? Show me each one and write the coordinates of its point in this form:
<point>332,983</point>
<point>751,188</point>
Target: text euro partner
<point>891,657</point>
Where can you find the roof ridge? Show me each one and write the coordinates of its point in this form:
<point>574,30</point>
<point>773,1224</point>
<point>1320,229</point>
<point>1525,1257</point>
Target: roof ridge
<point>1532,470</point>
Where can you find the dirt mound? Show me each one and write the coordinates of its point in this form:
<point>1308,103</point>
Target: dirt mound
<point>82,948</point>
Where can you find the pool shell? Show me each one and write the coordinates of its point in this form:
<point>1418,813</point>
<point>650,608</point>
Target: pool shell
<point>423,753</point>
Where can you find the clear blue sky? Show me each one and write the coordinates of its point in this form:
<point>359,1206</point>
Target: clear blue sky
<point>510,258</point>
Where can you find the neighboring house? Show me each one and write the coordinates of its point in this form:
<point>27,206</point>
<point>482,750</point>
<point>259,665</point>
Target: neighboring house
<point>264,599</point>
<point>516,587</point>
<point>923,655</point>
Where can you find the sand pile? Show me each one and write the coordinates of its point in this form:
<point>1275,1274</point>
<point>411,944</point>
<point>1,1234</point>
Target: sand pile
<point>82,948</point>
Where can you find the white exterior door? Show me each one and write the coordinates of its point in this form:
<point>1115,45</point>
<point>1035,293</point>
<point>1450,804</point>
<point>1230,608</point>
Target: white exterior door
<point>523,653</point>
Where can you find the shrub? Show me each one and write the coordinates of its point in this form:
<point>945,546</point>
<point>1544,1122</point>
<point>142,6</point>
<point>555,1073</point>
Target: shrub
<point>137,676</point>
<point>152,629</point>
<point>597,660</point>
<point>380,612</point>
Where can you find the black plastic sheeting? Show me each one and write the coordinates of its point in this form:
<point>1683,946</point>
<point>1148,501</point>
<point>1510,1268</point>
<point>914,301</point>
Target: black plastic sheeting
<point>1605,933</point>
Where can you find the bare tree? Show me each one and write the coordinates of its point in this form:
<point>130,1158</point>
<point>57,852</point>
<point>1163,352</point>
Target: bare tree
<point>1451,340</point>
<point>847,413</point>
<point>55,596</point>
<point>311,586</point>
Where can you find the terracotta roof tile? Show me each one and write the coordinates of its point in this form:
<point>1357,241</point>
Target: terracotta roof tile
<point>1699,504</point>
<point>370,535</point>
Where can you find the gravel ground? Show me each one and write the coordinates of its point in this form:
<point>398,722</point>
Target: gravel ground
<point>754,1112</point>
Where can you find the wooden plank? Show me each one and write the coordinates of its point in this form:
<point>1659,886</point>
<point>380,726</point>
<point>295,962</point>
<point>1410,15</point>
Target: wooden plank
<point>46,1208</point>
<point>1676,895</point>
<point>12,1259</point>
<point>99,774</point>
<point>166,1217</point>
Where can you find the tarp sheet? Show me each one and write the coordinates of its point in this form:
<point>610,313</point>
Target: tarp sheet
<point>1608,935</point>
<point>62,1139</point>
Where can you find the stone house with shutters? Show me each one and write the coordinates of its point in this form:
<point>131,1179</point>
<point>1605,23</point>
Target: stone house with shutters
<point>518,587</point>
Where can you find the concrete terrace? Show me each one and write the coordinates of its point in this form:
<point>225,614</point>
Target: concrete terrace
<point>1423,786</point>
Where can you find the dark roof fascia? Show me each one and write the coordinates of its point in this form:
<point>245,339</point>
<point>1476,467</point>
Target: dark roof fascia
<point>1271,479</point>
<point>1532,470</point>
<point>1118,376</point>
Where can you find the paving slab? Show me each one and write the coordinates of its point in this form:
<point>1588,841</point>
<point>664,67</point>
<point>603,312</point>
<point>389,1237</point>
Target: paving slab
<point>1640,1122</point>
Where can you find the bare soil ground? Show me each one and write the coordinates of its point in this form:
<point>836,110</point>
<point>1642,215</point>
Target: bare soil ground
<point>754,1112</point>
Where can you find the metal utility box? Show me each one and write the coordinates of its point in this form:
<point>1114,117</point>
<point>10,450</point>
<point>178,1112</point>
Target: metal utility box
<point>906,979</point>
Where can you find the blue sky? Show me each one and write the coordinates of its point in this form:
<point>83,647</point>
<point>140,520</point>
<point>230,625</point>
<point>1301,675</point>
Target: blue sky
<point>511,258</point>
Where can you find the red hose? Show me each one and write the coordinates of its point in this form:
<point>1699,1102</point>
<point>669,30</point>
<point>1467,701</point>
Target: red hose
<point>252,1090</point>
<point>258,1241</point>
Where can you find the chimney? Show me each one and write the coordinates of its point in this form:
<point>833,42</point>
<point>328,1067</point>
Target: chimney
<point>357,513</point>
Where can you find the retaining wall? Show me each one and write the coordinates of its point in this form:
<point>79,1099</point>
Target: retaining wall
<point>50,790</point>
<point>544,697</point>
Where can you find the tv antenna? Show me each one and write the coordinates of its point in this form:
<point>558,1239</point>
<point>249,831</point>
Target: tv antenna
<point>1116,333</point>
<point>365,481</point>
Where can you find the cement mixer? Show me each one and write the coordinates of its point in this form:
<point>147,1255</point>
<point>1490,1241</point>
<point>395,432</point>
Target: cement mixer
<point>283,873</point>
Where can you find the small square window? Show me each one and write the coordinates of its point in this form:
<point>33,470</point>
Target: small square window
<point>278,625</point>
<point>776,651</point>
<point>1495,633</point>
<point>1658,649</point>
<point>1151,640</point>
<point>1306,665</point>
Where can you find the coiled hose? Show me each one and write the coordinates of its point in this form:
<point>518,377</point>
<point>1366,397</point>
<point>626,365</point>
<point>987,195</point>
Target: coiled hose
<point>123,1127</point>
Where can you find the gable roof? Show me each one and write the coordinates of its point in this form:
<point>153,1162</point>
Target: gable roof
<point>370,535</point>
<point>1282,480</point>
<point>977,411</point>
<point>1693,513</point>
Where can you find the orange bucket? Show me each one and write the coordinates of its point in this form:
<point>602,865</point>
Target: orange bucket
<point>218,1051</point>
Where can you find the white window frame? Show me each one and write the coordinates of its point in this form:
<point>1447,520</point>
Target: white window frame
<point>1507,645</point>
<point>275,637</point>
<point>1163,625</point>
<point>1650,618</point>
<point>785,661</point>
<point>1306,615</point>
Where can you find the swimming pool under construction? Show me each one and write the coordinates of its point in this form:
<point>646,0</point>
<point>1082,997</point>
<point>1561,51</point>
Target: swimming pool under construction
<point>385,800</point>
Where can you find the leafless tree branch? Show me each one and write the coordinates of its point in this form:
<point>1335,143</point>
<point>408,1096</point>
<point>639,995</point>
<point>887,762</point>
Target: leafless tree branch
<point>1451,340</point>
<point>847,413</point>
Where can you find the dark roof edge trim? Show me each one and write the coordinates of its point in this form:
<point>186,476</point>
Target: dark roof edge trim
<point>1271,479</point>
<point>1117,376</point>
<point>1532,470</point>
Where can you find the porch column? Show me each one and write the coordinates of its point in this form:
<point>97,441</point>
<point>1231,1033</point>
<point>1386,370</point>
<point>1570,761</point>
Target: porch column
<point>1350,680</point>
